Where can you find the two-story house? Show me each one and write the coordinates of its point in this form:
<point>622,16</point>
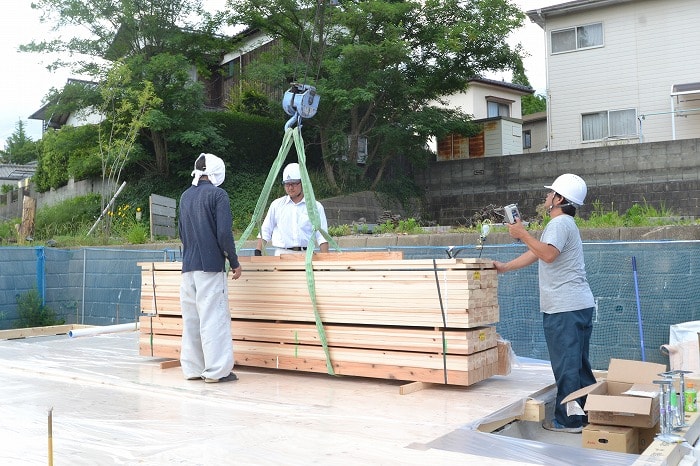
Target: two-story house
<point>621,71</point>
<point>495,105</point>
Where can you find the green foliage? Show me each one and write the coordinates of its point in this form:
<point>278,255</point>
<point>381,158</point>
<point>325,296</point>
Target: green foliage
<point>386,227</point>
<point>128,222</point>
<point>639,215</point>
<point>255,141</point>
<point>409,227</point>
<point>155,41</point>
<point>253,102</point>
<point>379,67</point>
<point>19,148</point>
<point>8,232</point>
<point>244,190</point>
<point>402,189</point>
<point>533,104</point>
<point>70,217</point>
<point>33,313</point>
<point>340,230</point>
<point>67,152</point>
<point>405,227</point>
<point>362,228</point>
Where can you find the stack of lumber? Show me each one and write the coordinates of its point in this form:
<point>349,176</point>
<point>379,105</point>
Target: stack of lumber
<point>382,316</point>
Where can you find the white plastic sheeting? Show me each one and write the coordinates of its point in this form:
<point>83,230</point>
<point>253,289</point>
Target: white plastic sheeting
<point>112,406</point>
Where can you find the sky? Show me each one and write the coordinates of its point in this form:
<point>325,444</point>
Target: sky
<point>26,81</point>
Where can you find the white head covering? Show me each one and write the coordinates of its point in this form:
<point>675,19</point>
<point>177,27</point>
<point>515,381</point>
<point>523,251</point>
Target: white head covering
<point>214,169</point>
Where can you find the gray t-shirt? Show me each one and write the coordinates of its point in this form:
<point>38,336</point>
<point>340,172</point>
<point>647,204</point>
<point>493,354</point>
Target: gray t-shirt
<point>563,284</point>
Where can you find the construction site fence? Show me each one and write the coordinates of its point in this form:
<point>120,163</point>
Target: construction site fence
<point>641,289</point>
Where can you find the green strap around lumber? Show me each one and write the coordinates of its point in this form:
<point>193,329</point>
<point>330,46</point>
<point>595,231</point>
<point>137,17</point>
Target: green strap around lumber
<point>294,135</point>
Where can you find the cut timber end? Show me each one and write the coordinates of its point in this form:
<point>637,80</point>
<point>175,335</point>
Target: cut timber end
<point>534,411</point>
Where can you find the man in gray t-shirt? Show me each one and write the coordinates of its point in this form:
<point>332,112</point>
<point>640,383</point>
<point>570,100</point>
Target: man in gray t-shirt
<point>566,300</point>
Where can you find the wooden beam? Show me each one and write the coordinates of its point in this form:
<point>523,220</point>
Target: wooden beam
<point>39,331</point>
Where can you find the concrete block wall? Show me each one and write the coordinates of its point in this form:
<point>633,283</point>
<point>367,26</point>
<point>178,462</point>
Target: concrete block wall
<point>11,202</point>
<point>665,175</point>
<point>82,286</point>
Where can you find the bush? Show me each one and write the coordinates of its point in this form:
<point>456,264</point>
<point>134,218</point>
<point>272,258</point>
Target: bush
<point>33,313</point>
<point>8,232</point>
<point>72,217</point>
<point>340,230</point>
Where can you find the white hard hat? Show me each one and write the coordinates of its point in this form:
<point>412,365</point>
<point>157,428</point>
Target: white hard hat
<point>291,174</point>
<point>571,186</point>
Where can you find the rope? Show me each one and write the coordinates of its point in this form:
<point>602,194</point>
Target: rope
<point>444,322</point>
<point>294,135</point>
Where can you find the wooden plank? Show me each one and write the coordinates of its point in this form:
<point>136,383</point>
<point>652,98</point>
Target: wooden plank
<point>366,297</point>
<point>169,364</point>
<point>461,370</point>
<point>163,201</point>
<point>39,331</point>
<point>426,340</point>
<point>534,411</point>
<point>162,216</point>
<point>383,318</point>
<point>413,387</point>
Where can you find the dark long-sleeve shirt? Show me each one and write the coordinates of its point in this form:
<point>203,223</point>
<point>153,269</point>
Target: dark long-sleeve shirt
<point>206,229</point>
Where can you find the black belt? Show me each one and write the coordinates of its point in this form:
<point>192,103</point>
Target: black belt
<point>296,248</point>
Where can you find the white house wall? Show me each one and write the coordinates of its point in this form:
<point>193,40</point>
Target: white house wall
<point>88,116</point>
<point>473,101</point>
<point>649,45</point>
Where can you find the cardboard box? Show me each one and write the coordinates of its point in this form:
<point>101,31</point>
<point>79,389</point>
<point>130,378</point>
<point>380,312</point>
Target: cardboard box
<point>610,438</point>
<point>607,404</point>
<point>646,437</point>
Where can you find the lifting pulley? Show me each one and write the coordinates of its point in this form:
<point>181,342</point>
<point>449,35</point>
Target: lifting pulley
<point>300,101</point>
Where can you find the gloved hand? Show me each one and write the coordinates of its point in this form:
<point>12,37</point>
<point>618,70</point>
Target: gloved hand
<point>258,252</point>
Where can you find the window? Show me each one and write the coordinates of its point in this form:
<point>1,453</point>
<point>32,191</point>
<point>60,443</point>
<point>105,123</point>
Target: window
<point>609,124</point>
<point>495,109</point>
<point>527,139</point>
<point>580,37</point>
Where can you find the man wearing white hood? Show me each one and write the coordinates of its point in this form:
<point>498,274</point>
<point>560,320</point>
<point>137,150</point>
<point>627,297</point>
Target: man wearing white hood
<point>205,224</point>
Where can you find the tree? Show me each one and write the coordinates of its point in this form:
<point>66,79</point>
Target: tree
<point>381,66</point>
<point>160,42</point>
<point>126,105</point>
<point>530,103</point>
<point>19,148</point>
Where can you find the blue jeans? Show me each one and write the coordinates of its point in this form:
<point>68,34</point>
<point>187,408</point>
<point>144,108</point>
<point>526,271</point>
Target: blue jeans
<point>568,336</point>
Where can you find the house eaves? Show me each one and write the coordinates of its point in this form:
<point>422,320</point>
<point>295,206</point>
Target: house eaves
<point>57,119</point>
<point>539,16</point>
<point>504,85</point>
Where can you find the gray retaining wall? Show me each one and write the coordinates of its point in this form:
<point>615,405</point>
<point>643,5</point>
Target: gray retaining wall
<point>665,175</point>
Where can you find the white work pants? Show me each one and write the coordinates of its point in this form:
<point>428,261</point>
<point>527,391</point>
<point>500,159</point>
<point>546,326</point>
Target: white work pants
<point>207,346</point>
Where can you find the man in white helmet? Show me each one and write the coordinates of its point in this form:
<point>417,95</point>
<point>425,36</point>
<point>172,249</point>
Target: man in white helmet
<point>205,224</point>
<point>287,225</point>
<point>566,300</point>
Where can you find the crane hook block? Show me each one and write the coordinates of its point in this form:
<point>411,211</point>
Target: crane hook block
<point>301,99</point>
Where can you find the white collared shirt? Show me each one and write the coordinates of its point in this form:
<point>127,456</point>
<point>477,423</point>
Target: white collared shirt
<point>287,224</point>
